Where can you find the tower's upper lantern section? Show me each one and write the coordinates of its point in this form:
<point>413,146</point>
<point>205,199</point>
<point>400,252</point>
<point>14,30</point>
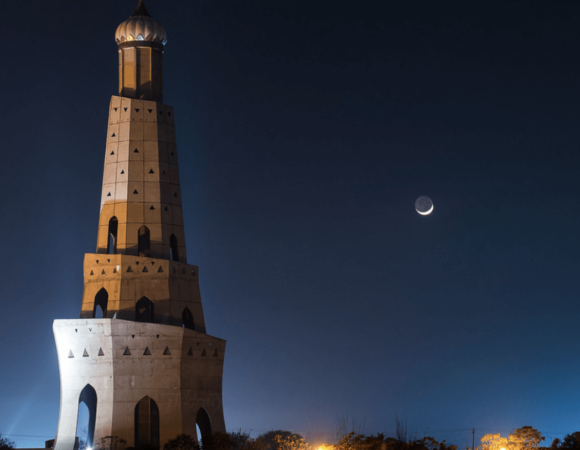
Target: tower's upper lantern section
<point>141,40</point>
<point>140,27</point>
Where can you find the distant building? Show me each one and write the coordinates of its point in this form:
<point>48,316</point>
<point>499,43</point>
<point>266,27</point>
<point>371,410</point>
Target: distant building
<point>139,356</point>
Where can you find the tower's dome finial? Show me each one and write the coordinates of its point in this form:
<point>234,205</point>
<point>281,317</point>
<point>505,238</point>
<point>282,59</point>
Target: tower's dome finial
<point>140,27</point>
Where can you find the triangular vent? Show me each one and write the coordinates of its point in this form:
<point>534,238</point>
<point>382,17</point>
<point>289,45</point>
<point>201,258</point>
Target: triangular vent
<point>127,352</point>
<point>115,109</point>
<point>122,171</point>
<point>150,111</point>
<point>152,208</point>
<point>115,270</point>
<point>151,171</point>
<point>125,109</point>
<point>70,354</point>
<point>129,269</point>
<point>135,191</point>
<point>109,194</point>
<point>190,352</point>
<point>145,269</point>
<point>103,272</point>
<point>112,153</point>
<point>160,270</point>
<point>85,354</point>
<point>166,352</point>
<point>147,352</point>
<point>137,110</point>
<point>135,151</point>
<point>92,273</point>
<point>101,352</point>
<point>113,135</point>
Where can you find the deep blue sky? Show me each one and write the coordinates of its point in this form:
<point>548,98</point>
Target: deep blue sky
<point>306,131</point>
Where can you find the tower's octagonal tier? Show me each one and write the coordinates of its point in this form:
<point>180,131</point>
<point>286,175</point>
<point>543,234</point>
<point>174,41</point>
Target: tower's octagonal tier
<point>123,362</point>
<point>142,289</point>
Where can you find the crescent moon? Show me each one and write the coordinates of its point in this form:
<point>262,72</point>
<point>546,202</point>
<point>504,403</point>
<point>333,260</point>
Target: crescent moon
<point>425,213</point>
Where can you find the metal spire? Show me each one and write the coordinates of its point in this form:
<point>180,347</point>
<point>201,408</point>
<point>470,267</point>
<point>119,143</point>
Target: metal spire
<point>141,10</point>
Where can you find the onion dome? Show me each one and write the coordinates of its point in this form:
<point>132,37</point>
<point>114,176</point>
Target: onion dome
<point>140,27</point>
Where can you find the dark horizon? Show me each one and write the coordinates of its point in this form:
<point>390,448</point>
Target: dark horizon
<point>306,131</point>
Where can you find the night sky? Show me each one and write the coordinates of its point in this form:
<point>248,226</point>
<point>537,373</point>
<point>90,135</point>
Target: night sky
<point>306,131</point>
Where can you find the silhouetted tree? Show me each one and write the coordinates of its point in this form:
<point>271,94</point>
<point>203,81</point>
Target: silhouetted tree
<point>269,439</point>
<point>110,443</point>
<point>217,441</point>
<point>6,444</point>
<point>569,442</point>
<point>181,442</point>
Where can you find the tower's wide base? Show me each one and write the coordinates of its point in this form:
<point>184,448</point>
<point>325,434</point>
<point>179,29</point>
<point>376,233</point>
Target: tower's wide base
<point>112,365</point>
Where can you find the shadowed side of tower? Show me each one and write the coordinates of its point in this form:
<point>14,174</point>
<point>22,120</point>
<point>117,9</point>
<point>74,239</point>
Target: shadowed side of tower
<point>139,356</point>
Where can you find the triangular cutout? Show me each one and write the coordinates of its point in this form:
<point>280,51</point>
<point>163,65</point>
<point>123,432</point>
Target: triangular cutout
<point>113,135</point>
<point>190,352</point>
<point>122,171</point>
<point>70,354</point>
<point>166,209</point>
<point>85,353</point>
<point>151,171</point>
<point>135,151</point>
<point>101,352</point>
<point>152,208</point>
<point>127,352</point>
<point>160,270</point>
<point>137,110</point>
<point>215,353</point>
<point>135,191</point>
<point>164,173</point>
<point>137,262</point>
<point>203,352</point>
<point>109,194</point>
<point>129,269</point>
<point>175,195</point>
<point>115,109</point>
<point>172,154</point>
<point>92,273</point>
<point>150,111</point>
<point>125,109</point>
<point>160,112</point>
<point>166,352</point>
<point>115,270</point>
<point>112,153</point>
<point>145,269</point>
<point>169,114</point>
<point>103,272</point>
<point>147,352</point>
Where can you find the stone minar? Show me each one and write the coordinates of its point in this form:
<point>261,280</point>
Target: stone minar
<point>139,356</point>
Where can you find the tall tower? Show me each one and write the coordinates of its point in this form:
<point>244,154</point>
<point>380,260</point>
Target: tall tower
<point>139,356</point>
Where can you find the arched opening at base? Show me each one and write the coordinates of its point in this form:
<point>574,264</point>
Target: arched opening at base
<point>87,416</point>
<point>146,424</point>
<point>202,425</point>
